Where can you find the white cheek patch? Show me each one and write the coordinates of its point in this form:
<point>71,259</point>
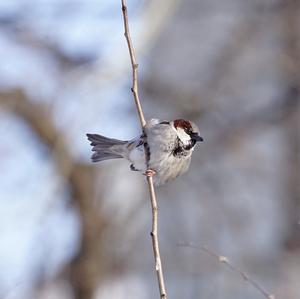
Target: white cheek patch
<point>183,136</point>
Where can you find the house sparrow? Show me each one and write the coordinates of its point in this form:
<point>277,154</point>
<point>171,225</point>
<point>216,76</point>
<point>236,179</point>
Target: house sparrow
<point>169,146</point>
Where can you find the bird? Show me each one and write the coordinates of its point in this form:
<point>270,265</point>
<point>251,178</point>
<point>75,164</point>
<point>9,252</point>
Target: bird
<point>163,151</point>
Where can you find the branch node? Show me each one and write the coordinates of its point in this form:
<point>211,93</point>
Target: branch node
<point>223,259</point>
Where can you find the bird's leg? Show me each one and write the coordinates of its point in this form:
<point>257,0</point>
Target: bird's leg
<point>150,173</point>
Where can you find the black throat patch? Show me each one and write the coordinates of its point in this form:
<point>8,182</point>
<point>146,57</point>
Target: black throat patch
<point>181,150</point>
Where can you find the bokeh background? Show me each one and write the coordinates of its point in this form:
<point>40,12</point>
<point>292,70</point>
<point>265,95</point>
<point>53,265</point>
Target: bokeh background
<point>70,229</point>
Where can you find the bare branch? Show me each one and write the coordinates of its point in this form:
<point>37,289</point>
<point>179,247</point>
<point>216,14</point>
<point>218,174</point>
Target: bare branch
<point>134,89</point>
<point>134,65</point>
<point>225,260</point>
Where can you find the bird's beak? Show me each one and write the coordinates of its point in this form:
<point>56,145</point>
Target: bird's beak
<point>196,137</point>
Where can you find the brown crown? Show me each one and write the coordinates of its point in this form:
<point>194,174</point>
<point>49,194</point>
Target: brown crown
<point>184,124</point>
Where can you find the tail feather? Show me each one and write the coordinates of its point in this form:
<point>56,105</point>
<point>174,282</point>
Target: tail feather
<point>105,148</point>
<point>101,156</point>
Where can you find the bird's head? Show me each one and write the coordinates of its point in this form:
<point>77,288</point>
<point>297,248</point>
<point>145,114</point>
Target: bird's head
<point>187,132</point>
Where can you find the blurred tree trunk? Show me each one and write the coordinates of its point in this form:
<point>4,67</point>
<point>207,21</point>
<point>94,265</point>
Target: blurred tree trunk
<point>291,68</point>
<point>87,267</point>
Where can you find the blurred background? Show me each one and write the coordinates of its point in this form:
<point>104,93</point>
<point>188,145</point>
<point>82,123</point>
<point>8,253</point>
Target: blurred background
<point>73,230</point>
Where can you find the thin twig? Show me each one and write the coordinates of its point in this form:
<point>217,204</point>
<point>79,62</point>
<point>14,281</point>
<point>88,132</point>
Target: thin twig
<point>225,260</point>
<point>134,89</point>
<point>134,65</point>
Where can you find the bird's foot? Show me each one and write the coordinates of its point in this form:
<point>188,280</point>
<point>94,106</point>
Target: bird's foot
<point>150,173</point>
